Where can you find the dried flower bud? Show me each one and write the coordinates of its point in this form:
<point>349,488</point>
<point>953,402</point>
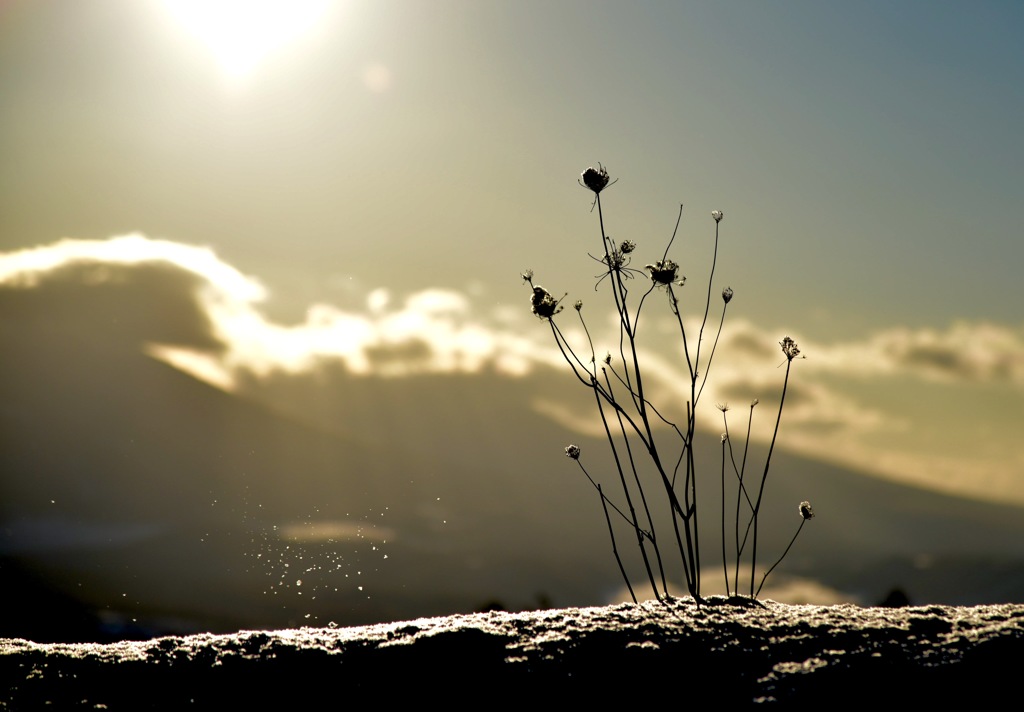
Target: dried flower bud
<point>717,215</point>
<point>578,304</point>
<point>627,246</point>
<point>789,348</point>
<point>595,178</point>
<point>754,402</point>
<point>527,275</point>
<point>607,359</point>
<point>727,295</point>
<point>663,272</point>
<point>573,453</point>
<point>805,510</point>
<point>725,437</point>
<point>543,304</point>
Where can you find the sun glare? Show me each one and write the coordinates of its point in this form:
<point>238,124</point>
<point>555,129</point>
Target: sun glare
<point>242,33</point>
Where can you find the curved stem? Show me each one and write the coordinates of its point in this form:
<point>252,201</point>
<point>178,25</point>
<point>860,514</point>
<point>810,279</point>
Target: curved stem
<point>629,499</point>
<point>615,549</point>
<point>764,476</point>
<point>707,303</point>
<point>791,541</point>
<point>725,563</point>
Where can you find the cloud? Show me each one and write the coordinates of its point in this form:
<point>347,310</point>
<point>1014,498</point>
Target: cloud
<point>25,268</point>
<point>886,404</point>
<point>846,402</point>
<point>962,353</point>
<point>444,331</point>
<point>432,331</point>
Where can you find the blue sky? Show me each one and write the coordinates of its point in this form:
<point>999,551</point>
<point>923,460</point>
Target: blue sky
<point>868,158</point>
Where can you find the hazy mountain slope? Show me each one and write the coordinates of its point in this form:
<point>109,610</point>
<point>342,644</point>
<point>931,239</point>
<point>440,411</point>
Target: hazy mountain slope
<point>141,491</point>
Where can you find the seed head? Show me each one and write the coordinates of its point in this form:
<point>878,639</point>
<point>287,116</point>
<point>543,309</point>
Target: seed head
<point>725,436</point>
<point>789,348</point>
<point>527,275</point>
<point>615,259</point>
<point>543,304</point>
<point>578,304</point>
<point>595,178</point>
<point>727,295</point>
<point>573,453</point>
<point>664,272</point>
<point>627,246</point>
<point>805,510</point>
<point>717,215</point>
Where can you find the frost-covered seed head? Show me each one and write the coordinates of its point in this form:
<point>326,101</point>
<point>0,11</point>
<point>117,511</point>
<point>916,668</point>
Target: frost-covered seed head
<point>789,348</point>
<point>543,304</point>
<point>595,178</point>
<point>805,510</point>
<point>663,272</point>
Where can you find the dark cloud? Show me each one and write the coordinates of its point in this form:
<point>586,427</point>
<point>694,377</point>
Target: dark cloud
<point>410,353</point>
<point>739,393</point>
<point>970,352</point>
<point>108,303</point>
<point>938,357</point>
<point>753,344</point>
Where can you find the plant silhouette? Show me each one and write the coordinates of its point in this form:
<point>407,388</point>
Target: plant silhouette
<point>637,430</point>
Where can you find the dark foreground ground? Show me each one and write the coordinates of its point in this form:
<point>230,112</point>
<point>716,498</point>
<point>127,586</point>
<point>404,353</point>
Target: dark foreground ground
<point>678,652</point>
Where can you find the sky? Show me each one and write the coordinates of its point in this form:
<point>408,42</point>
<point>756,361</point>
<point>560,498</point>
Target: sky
<point>364,183</point>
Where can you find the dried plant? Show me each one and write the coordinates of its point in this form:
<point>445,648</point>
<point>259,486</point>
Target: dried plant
<point>639,432</point>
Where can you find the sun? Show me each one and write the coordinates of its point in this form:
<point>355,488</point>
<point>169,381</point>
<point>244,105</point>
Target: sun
<point>242,33</point>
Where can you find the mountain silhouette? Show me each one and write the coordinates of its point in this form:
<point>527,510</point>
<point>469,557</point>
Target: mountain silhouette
<point>160,502</point>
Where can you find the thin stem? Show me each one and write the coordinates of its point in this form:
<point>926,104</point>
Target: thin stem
<point>619,290</point>
<point>742,490</point>
<point>636,316</point>
<point>590,340</point>
<point>714,347</point>
<point>743,468</point>
<point>640,490</point>
<point>674,304</point>
<point>725,563</point>
<point>707,303</point>
<point>629,499</point>
<point>764,477</point>
<point>618,511</point>
<point>615,550</point>
<point>619,293</point>
<point>691,477</point>
<point>674,231</point>
<point>791,541</point>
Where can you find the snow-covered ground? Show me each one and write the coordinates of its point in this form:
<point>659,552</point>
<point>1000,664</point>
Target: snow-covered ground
<point>733,652</point>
